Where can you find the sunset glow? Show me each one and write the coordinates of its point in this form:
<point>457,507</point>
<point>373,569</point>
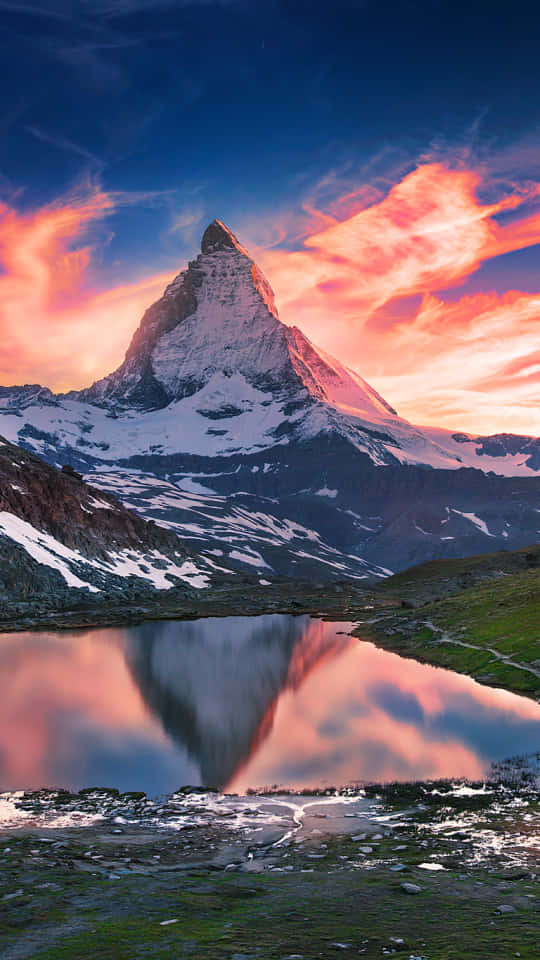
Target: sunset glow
<point>368,289</point>
<point>386,713</point>
<point>372,289</point>
<point>56,329</point>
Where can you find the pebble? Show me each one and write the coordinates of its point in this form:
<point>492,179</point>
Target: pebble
<point>165,923</point>
<point>397,867</point>
<point>506,908</point>
<point>11,896</point>
<point>365,849</point>
<point>411,888</point>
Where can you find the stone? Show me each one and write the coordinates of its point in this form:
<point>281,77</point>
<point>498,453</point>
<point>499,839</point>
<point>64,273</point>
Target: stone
<point>506,908</point>
<point>411,888</point>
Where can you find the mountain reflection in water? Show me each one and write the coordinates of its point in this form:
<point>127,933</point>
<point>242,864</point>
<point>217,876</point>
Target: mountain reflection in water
<point>239,702</point>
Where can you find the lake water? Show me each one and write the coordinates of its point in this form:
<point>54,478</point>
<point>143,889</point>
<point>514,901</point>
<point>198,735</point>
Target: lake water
<point>241,702</point>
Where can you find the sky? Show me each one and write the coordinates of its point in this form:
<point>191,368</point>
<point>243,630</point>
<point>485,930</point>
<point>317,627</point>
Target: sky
<point>380,160</point>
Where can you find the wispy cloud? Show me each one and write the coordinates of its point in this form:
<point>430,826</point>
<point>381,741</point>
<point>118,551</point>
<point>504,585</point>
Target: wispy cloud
<point>369,282</point>
<point>53,326</point>
<point>64,144</point>
<point>367,287</point>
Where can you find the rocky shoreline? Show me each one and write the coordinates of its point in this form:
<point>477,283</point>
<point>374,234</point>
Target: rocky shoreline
<point>438,871</point>
<point>243,597</point>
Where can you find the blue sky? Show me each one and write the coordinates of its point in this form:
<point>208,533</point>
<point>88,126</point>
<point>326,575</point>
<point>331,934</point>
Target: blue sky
<point>236,106</point>
<point>268,114</point>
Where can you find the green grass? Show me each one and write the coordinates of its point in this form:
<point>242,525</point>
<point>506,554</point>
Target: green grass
<point>269,916</point>
<point>447,921</point>
<point>452,575</point>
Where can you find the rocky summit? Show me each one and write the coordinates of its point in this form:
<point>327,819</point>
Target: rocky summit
<point>258,448</point>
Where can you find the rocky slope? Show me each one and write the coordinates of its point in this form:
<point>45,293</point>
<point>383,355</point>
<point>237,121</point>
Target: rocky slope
<point>233,429</point>
<point>60,537</point>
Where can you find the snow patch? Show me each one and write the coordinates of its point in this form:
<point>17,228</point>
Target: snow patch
<point>43,548</point>
<point>254,559</point>
<point>153,566</point>
<point>477,521</point>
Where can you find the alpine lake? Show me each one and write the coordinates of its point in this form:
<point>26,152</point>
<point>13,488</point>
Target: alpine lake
<point>260,787</point>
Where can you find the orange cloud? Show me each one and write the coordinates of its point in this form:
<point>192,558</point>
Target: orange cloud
<point>364,289</point>
<point>53,329</point>
<point>365,285</point>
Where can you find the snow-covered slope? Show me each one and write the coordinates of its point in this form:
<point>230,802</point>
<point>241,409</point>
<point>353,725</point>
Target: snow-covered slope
<point>241,530</point>
<point>212,371</point>
<point>216,392</point>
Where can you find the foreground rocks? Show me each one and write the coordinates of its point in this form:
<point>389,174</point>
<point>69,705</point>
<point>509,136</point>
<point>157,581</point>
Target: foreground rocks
<point>207,877</point>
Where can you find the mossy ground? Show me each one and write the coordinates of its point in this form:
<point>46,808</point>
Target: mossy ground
<point>320,899</point>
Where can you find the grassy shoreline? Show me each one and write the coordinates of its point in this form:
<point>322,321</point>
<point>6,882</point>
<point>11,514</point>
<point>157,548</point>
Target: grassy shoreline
<point>489,629</point>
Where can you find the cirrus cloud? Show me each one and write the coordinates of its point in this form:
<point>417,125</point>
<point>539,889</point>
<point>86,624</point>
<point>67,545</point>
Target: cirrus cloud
<point>368,280</point>
<point>368,289</point>
<point>54,327</point>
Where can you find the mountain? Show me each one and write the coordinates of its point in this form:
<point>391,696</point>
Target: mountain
<point>231,428</point>
<point>60,537</point>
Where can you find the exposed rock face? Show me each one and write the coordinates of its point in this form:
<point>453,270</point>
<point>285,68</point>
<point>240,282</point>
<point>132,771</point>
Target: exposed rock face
<point>254,442</point>
<point>502,445</point>
<point>81,516</point>
<point>58,534</point>
<point>218,316</point>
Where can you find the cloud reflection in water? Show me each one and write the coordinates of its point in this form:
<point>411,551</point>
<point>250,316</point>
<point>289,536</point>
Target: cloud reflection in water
<point>239,702</point>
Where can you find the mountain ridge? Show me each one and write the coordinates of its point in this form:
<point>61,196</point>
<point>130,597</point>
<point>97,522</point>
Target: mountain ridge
<point>236,431</point>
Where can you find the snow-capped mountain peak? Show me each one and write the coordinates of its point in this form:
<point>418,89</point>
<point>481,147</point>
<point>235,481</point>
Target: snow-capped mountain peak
<point>217,316</point>
<point>217,322</point>
<point>234,429</point>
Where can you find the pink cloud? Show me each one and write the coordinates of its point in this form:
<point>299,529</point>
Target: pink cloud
<point>364,284</point>
<point>54,329</point>
<point>365,288</point>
